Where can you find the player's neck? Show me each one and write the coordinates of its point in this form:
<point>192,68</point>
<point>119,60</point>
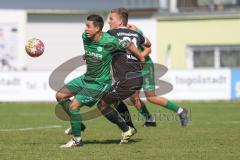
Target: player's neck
<point>122,27</point>
<point>97,37</point>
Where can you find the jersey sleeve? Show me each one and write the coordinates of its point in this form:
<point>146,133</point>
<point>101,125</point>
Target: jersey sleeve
<point>110,32</point>
<point>84,37</point>
<point>117,45</point>
<point>142,38</point>
<point>139,31</point>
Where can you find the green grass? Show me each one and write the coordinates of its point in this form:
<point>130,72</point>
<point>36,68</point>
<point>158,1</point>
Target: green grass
<point>213,134</point>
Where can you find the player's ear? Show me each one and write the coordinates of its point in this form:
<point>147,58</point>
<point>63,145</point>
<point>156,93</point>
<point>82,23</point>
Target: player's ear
<point>97,29</point>
<point>122,23</point>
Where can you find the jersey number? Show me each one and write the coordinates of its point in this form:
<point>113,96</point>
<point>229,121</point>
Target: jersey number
<point>133,40</point>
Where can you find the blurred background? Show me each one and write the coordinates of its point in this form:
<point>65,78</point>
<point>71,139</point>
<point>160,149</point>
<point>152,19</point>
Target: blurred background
<point>198,40</point>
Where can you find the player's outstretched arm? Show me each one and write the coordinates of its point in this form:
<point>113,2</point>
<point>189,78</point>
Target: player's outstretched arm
<point>146,51</point>
<point>147,43</point>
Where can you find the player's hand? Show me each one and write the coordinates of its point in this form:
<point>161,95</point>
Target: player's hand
<point>132,27</point>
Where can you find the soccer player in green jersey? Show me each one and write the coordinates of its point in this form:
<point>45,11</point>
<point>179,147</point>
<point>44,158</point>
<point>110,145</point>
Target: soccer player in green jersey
<point>149,90</point>
<point>89,88</point>
<point>116,19</point>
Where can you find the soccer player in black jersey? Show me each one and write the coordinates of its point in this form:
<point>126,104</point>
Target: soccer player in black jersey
<point>116,19</point>
<point>126,70</point>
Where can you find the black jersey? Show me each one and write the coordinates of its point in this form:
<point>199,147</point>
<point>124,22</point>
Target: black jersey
<point>124,64</point>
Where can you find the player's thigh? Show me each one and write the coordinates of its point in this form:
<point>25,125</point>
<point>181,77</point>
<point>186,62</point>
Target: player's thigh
<point>86,100</point>
<point>121,91</point>
<point>71,88</point>
<point>148,77</point>
<point>90,96</point>
<point>110,97</point>
<point>76,85</point>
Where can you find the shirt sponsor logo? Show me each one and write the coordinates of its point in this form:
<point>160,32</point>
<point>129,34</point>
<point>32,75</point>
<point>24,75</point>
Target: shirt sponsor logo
<point>99,49</point>
<point>94,55</point>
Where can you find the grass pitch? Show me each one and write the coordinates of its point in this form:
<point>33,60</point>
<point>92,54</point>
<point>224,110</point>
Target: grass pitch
<point>31,131</point>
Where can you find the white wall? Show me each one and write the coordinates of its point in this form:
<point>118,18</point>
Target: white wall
<point>62,36</point>
<point>13,41</point>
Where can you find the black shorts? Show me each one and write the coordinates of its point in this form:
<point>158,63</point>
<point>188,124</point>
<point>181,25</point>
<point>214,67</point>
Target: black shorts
<point>121,90</point>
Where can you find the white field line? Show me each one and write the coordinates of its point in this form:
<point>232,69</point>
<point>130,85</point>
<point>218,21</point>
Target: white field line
<point>29,129</point>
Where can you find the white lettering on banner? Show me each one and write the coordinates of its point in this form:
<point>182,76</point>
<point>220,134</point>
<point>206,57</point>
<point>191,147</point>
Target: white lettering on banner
<point>25,86</point>
<point>201,80</point>
<point>28,86</point>
<point>199,84</point>
<point>9,82</point>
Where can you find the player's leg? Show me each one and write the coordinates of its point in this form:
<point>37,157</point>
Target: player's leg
<point>62,97</point>
<point>89,94</point>
<point>182,112</point>
<point>148,84</point>
<point>119,92</point>
<point>142,109</point>
<point>112,98</point>
<point>113,116</point>
<point>124,112</point>
<point>75,121</point>
<point>149,90</point>
<point>85,97</point>
<point>72,88</point>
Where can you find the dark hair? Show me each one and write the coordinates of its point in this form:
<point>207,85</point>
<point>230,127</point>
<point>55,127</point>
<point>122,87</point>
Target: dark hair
<point>97,20</point>
<point>123,13</point>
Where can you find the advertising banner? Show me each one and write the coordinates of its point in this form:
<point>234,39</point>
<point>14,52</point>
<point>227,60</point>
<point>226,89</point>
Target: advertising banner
<point>29,86</point>
<point>235,88</point>
<point>199,84</point>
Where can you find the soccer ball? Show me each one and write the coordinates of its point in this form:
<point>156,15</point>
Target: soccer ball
<point>34,47</point>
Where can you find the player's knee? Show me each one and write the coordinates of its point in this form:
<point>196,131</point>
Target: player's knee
<point>101,105</point>
<point>74,105</point>
<point>136,102</point>
<point>59,96</point>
